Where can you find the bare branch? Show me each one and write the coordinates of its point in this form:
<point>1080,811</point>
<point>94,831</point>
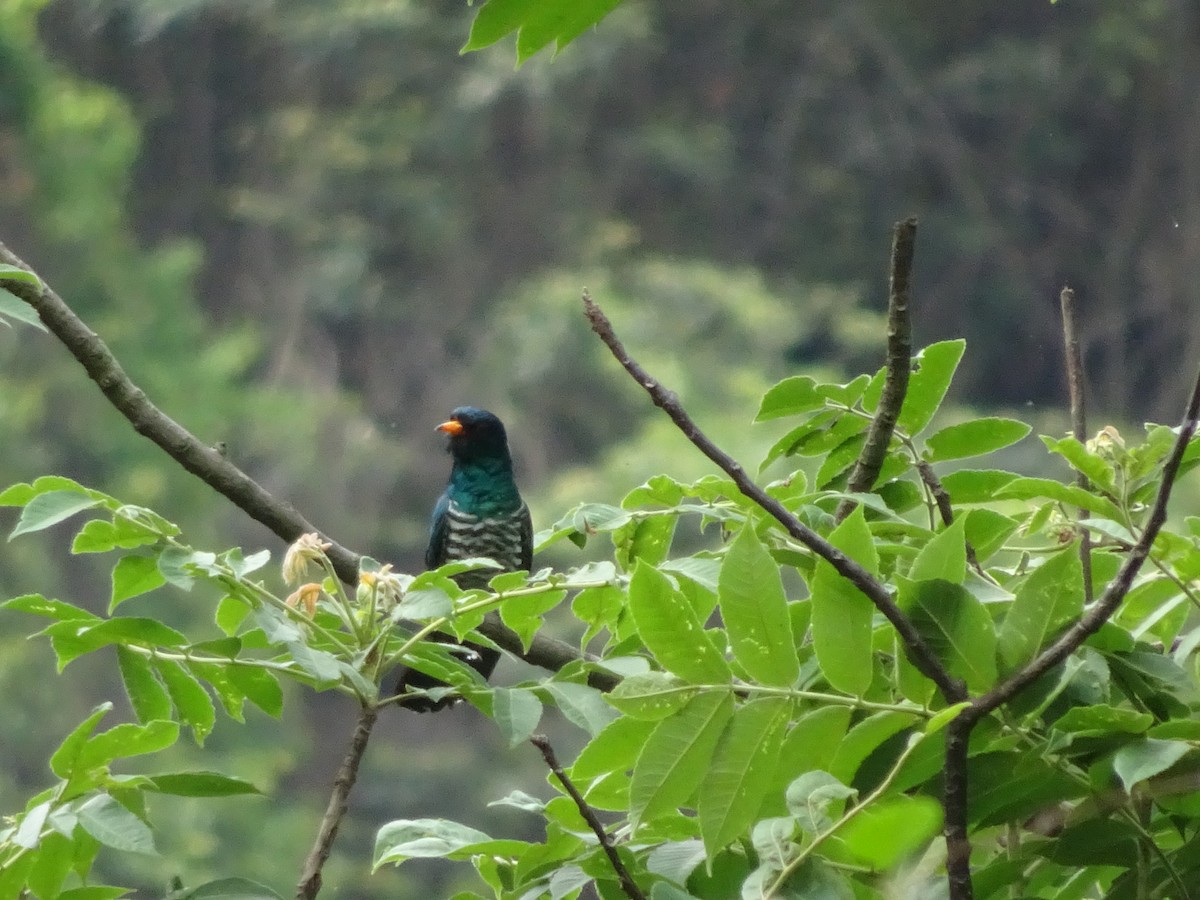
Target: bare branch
<point>211,466</point>
<point>343,782</point>
<point>1076,387</point>
<point>922,656</point>
<point>899,367</point>
<point>628,885</point>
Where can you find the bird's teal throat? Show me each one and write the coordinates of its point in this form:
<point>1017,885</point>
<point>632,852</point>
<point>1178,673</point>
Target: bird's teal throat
<point>480,489</point>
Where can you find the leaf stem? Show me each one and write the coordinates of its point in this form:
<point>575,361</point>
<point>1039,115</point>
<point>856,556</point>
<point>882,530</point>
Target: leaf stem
<point>829,832</point>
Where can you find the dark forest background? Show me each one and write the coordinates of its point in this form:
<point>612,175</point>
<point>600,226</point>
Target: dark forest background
<point>309,229</point>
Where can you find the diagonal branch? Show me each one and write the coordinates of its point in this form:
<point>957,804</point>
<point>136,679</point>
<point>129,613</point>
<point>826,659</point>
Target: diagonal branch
<point>922,656</point>
<point>899,367</point>
<point>958,732</point>
<point>628,885</point>
<point>1102,610</point>
<point>343,782</point>
<point>214,469</point>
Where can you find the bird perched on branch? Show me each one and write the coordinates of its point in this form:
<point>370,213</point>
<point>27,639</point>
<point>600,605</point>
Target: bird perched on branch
<point>480,514</point>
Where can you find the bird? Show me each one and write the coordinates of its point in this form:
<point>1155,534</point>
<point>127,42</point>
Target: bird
<point>480,514</point>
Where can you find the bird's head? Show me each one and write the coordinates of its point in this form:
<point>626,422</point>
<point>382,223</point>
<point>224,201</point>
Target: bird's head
<point>475,435</point>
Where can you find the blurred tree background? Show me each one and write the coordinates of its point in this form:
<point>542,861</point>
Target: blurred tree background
<point>311,228</point>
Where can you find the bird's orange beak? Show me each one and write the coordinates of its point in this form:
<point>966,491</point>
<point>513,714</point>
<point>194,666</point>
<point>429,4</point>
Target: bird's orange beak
<point>452,427</point>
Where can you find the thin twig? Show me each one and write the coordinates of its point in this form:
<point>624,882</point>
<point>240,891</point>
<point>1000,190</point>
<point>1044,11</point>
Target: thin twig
<point>347,774</point>
<point>899,367</point>
<point>958,732</point>
<point>628,885</point>
<point>922,656</point>
<point>214,468</point>
<point>1076,387</point>
<point>882,788</point>
<point>946,510</point>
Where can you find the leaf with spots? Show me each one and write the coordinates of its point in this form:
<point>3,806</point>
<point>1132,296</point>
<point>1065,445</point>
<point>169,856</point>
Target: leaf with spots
<point>742,771</point>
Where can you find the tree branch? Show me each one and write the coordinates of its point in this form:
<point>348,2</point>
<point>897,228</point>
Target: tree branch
<point>218,472</point>
<point>1101,611</point>
<point>922,656</point>
<point>343,782</point>
<point>958,732</point>
<point>628,885</point>
<point>899,367</point>
<point>1076,388</point>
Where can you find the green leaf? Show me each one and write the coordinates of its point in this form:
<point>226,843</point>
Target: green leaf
<point>933,369</point>
<point>524,614</point>
<point>259,686</point>
<point>976,485</point>
<point>1101,720</point>
<point>114,826</point>
<point>647,540</point>
<point>1049,599</point>
<point>424,603</point>
<point>811,797</point>
<point>755,612</point>
<point>495,20</point>
<point>191,700</point>
<point>561,23</point>
<point>324,668</point>
<point>134,575</point>
<point>62,762</point>
<point>1098,470</point>
<point>217,675</point>
<point>101,535</point>
<point>21,494</point>
<point>974,438</point>
<point>517,713</point>
<point>1145,759</point>
<point>600,608</point>
<point>616,747</point>
<point>16,273</point>
<point>841,613</point>
<point>1073,495</point>
<point>583,706</point>
<point>664,890</point>
<point>957,628</point>
<point>52,609</point>
<point>127,740</point>
<point>671,630</point>
<point>51,508</point>
<point>651,695</point>
<point>13,307</point>
<point>890,829</point>
<point>811,744</point>
<point>422,838</point>
<point>138,630</point>
<point>944,557</point>
<point>987,530</point>
<point>200,784</point>
<point>863,739</point>
<point>538,23</point>
<point>228,889</point>
<point>794,395</point>
<point>55,853</point>
<point>94,892</point>
<point>742,771</point>
<point>944,717</point>
<point>676,756</point>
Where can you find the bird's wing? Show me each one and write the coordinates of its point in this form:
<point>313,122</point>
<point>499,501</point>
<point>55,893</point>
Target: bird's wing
<point>435,550</point>
<point>526,539</point>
